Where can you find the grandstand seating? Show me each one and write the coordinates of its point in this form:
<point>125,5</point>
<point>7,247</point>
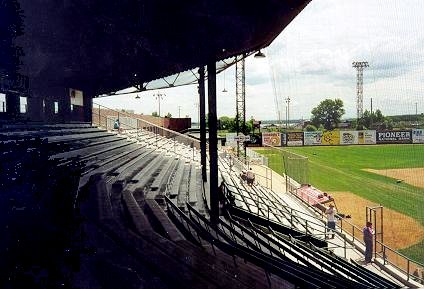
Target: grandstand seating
<point>102,190</point>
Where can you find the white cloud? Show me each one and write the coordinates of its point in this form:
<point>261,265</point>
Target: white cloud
<point>312,60</point>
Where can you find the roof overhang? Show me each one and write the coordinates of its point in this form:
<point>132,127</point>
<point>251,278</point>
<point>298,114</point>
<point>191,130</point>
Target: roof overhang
<point>102,46</point>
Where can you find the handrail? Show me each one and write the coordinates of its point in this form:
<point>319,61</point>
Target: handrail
<point>384,256</point>
<point>119,113</point>
<point>313,273</point>
<point>274,207</point>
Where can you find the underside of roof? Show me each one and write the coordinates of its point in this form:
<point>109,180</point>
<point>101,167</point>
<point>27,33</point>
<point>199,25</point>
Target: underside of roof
<point>107,45</point>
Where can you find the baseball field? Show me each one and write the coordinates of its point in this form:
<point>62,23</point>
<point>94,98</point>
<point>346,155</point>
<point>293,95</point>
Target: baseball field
<point>357,176</point>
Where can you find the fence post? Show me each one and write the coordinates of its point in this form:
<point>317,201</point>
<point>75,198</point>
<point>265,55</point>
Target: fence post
<point>407,273</point>
<point>271,178</point>
<point>291,217</point>
<point>344,241</point>
<point>384,255</point>
<point>99,117</point>
<point>268,211</point>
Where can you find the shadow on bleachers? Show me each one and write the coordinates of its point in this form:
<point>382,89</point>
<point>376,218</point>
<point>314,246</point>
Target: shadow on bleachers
<point>84,207</point>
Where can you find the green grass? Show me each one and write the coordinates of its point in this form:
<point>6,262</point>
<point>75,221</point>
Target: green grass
<point>340,168</point>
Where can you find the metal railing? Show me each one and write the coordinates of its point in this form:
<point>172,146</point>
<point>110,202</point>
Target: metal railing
<point>243,164</point>
<point>106,117</point>
<point>388,255</point>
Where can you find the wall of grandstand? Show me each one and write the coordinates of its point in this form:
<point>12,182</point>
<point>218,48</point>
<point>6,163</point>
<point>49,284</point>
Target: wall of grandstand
<point>343,137</point>
<point>128,120</point>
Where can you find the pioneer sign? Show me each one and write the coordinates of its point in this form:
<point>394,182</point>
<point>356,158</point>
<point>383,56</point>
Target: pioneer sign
<point>394,136</point>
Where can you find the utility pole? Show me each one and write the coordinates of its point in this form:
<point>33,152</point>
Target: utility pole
<point>179,111</point>
<point>159,96</point>
<point>359,65</point>
<point>416,112</point>
<point>197,104</point>
<point>288,112</point>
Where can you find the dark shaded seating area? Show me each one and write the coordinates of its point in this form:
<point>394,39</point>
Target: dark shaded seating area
<point>86,208</point>
<point>82,210</point>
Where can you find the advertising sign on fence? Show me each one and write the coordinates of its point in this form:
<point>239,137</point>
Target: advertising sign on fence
<point>230,138</point>
<point>312,138</point>
<point>331,138</point>
<point>366,137</point>
<point>418,135</point>
<point>271,138</point>
<point>294,139</point>
<point>348,137</point>
<point>394,136</point>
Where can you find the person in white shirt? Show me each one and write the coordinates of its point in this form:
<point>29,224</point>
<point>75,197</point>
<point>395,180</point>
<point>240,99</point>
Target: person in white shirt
<point>331,219</point>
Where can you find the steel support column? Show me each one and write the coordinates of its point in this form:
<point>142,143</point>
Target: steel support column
<point>12,105</point>
<point>213,142</point>
<point>240,101</point>
<point>64,100</point>
<point>202,120</point>
<point>35,108</point>
<point>88,106</point>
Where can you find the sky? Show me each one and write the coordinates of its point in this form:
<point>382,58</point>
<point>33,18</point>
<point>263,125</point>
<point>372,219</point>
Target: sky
<point>311,60</point>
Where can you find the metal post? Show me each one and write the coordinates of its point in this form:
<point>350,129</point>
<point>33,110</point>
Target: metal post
<point>375,234</point>
<point>344,241</point>
<point>99,116</point>
<point>407,273</point>
<point>384,255</point>
<point>306,227</point>
<point>213,147</point>
<point>202,121</point>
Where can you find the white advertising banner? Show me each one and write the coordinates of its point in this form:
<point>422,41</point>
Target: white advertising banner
<point>367,137</point>
<point>348,137</point>
<point>418,135</point>
<point>230,139</point>
<point>271,138</point>
<point>312,138</point>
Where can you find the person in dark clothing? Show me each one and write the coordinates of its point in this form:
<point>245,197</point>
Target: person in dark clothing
<point>221,197</point>
<point>368,239</point>
<point>116,125</point>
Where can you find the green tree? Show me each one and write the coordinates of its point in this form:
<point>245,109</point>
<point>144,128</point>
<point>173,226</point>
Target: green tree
<point>370,120</point>
<point>311,127</point>
<point>328,113</point>
<point>227,123</point>
<point>168,115</point>
<point>155,113</point>
<point>378,116</point>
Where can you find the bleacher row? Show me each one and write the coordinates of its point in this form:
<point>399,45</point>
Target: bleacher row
<point>97,192</point>
<point>101,194</point>
<point>277,231</point>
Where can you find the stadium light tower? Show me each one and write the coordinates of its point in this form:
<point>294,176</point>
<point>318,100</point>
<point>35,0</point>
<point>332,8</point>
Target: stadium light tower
<point>359,65</point>
<point>240,99</point>
<point>159,96</point>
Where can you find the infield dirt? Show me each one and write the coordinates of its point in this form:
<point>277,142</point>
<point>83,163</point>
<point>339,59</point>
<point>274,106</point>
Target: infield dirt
<point>400,231</point>
<point>412,176</point>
